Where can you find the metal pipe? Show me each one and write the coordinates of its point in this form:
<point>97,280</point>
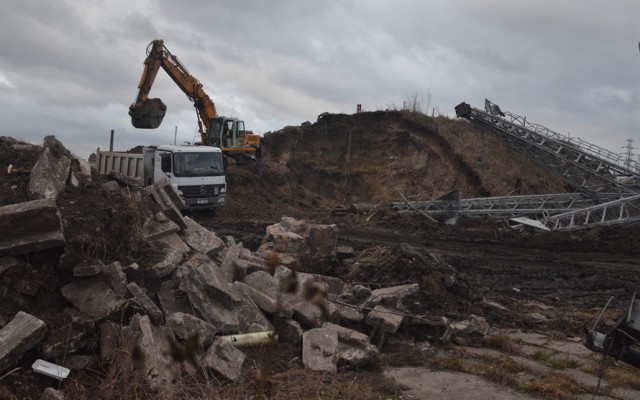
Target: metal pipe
<point>252,339</point>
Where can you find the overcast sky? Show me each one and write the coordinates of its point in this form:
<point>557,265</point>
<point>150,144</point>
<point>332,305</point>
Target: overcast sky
<point>71,68</point>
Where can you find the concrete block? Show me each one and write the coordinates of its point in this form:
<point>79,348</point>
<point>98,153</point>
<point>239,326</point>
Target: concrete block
<point>30,226</point>
<point>320,349</point>
<point>22,334</point>
<point>49,175</point>
<point>93,297</point>
<point>115,278</point>
<point>225,360</point>
<point>184,326</point>
<point>141,297</point>
<point>199,238</point>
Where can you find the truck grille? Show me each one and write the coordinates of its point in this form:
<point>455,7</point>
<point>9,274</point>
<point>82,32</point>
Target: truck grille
<point>201,190</point>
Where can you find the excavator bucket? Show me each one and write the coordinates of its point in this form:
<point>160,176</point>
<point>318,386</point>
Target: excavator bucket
<point>147,114</point>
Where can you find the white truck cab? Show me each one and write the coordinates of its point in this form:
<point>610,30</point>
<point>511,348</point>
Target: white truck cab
<point>197,172</point>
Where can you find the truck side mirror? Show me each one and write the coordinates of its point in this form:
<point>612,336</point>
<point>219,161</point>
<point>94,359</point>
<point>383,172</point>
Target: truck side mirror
<point>165,162</point>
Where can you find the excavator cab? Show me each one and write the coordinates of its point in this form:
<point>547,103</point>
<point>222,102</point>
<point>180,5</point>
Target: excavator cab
<point>147,114</point>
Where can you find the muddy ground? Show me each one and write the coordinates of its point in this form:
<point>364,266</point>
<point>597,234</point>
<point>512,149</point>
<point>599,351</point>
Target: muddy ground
<point>542,283</point>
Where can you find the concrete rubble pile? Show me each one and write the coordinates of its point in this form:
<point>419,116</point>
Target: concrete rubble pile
<point>203,286</point>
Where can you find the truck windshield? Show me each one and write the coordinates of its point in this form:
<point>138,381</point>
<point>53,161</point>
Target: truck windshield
<point>198,164</point>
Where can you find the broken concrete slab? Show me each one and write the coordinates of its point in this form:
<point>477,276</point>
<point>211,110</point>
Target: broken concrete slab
<point>308,314</point>
<point>288,330</point>
<point>88,268</point>
<point>319,349</point>
<point>115,278</point>
<point>277,307</point>
<point>172,299</point>
<point>22,334</point>
<point>159,193</point>
<point>168,264</point>
<point>250,317</point>
<point>142,298</point>
<point>30,226</point>
<point>185,326</point>
<point>225,360</point>
<point>224,319</point>
<point>470,332</point>
<point>49,175</point>
<point>93,297</point>
<point>385,321</point>
<point>229,263</point>
<point>354,348</point>
<point>172,241</point>
<point>158,226</point>
<point>200,238</point>
<point>264,283</point>
<point>159,369</point>
<point>213,281</point>
<point>173,194</point>
<point>391,296</point>
<point>349,317</point>
<point>308,247</point>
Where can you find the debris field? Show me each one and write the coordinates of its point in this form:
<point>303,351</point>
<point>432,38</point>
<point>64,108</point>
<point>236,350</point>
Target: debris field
<point>305,276</point>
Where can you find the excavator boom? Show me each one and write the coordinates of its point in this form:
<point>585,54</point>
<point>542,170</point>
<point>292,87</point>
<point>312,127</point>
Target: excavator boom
<point>227,133</point>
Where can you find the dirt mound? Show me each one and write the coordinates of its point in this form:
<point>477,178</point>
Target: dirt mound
<point>369,157</point>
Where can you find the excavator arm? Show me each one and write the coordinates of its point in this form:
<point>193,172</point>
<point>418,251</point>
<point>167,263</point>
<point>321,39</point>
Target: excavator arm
<point>148,113</point>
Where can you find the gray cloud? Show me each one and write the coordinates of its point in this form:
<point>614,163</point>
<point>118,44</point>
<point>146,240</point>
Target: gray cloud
<point>71,68</point>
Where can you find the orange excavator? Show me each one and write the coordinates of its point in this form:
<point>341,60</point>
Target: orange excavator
<point>227,133</point>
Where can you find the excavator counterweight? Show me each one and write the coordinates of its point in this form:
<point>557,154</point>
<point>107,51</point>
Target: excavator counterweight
<point>148,114</point>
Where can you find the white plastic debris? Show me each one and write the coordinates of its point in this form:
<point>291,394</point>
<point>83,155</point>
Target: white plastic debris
<point>49,369</point>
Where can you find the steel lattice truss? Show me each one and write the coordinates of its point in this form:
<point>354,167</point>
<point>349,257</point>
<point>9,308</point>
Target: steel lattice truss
<point>626,210</point>
<point>609,185</point>
<point>588,168</point>
<point>500,207</point>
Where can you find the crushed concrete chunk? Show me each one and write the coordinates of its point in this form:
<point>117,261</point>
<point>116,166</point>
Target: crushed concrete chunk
<point>320,349</point>
<point>158,226</point>
<point>225,359</point>
<point>250,317</point>
<point>49,175</point>
<point>30,226</point>
<point>200,238</point>
<point>288,330</point>
<point>93,297</point>
<point>168,264</point>
<point>212,310</point>
<point>354,348</point>
<point>115,278</point>
<point>308,247</point>
<point>160,370</point>
<point>185,326</point>
<point>22,334</point>
<point>143,299</point>
<point>274,306</point>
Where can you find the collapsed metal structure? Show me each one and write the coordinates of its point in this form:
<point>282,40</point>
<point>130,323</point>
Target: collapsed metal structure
<point>607,185</point>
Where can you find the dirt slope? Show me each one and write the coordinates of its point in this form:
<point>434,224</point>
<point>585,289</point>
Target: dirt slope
<point>368,157</point>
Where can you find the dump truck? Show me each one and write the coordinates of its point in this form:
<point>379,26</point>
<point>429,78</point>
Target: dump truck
<point>196,172</point>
